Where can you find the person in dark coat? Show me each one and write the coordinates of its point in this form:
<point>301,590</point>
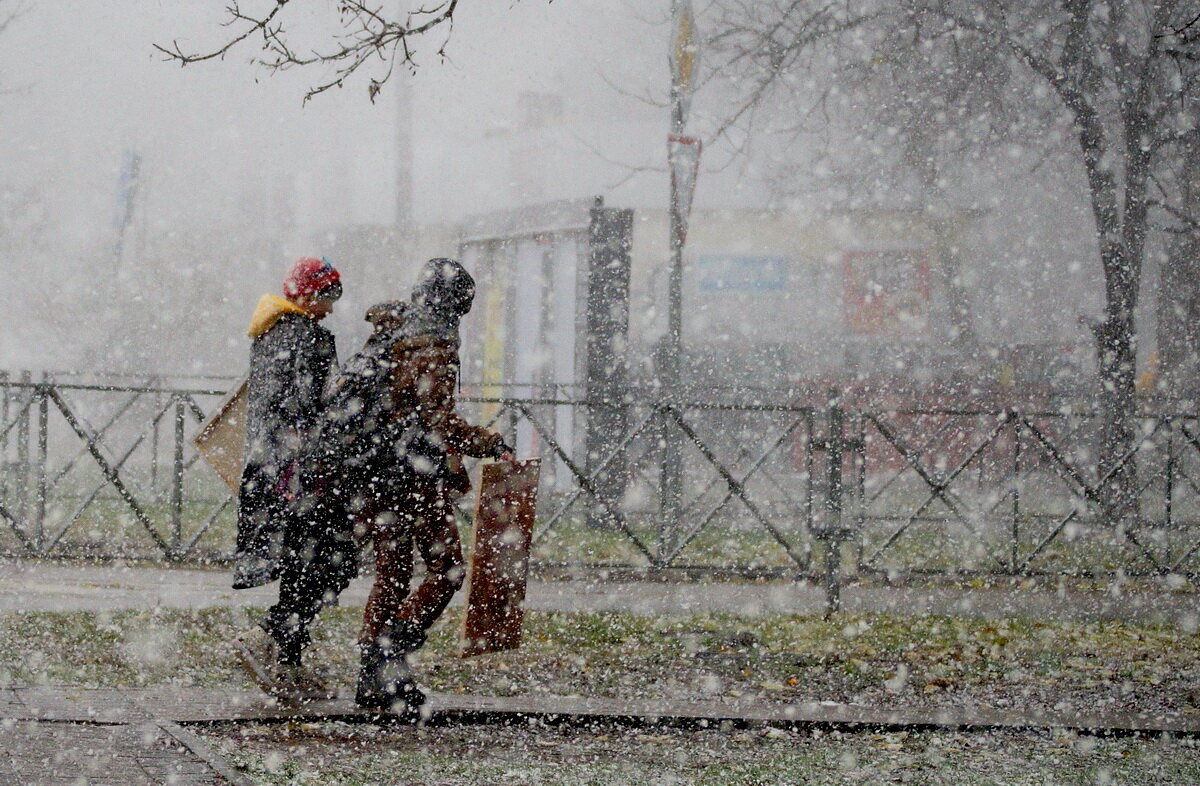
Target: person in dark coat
<point>280,534</point>
<point>353,446</point>
<point>414,508</point>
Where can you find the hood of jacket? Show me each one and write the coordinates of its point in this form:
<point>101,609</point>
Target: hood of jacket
<point>444,286</point>
<point>443,294</point>
<point>268,311</point>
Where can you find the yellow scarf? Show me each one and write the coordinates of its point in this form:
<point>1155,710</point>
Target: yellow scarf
<point>269,309</point>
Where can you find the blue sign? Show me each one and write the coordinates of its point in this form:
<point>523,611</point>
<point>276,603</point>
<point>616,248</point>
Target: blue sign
<point>733,273</point>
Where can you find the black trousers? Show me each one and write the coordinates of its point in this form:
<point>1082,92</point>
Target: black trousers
<point>319,559</point>
<point>262,513</point>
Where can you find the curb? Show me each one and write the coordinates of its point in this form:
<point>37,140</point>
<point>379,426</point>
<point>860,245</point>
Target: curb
<point>203,751</point>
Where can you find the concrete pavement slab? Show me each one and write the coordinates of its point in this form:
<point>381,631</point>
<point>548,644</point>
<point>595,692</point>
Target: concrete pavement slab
<point>54,586</point>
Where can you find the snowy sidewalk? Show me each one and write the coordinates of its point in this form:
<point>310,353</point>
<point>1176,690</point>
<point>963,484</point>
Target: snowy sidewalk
<point>48,586</point>
<point>65,734</point>
<point>129,737</point>
<point>101,738</point>
<point>142,754</point>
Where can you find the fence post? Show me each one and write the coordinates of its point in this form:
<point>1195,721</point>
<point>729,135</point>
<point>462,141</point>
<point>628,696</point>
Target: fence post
<point>154,445</point>
<point>834,448</point>
<point>5,406</point>
<point>22,486</point>
<point>860,493</point>
<point>811,445</point>
<point>5,414</point>
<point>1016,506</point>
<point>177,482</point>
<point>514,419</point>
<point>670,498</point>
<point>43,456</point>
<point>1169,504</point>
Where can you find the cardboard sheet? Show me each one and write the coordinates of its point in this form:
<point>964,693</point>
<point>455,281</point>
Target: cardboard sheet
<point>499,565</point>
<point>222,438</point>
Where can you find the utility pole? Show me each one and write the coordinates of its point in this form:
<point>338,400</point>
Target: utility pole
<point>683,157</point>
<point>404,154</point>
<point>129,184</point>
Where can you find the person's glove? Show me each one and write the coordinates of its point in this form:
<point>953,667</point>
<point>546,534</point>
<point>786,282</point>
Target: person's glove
<point>502,448</point>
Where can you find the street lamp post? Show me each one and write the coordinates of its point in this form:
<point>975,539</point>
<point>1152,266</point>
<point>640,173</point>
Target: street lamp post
<point>682,160</point>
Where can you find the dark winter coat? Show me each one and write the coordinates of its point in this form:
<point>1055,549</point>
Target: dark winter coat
<point>290,362</point>
<point>425,374</point>
<point>355,439</point>
<point>424,378</point>
<point>370,440</point>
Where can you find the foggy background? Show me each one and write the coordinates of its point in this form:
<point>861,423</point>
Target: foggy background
<point>535,102</point>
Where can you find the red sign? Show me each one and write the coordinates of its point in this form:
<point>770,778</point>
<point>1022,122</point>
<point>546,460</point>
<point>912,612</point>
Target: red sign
<point>887,292</point>
<point>683,154</point>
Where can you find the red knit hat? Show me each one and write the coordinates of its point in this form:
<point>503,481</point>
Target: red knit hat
<point>310,276</point>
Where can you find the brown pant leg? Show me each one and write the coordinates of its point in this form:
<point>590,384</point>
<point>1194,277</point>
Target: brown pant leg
<point>391,534</point>
<point>435,535</point>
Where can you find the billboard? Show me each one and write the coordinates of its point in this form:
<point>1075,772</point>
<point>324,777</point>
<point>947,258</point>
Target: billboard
<point>737,273</point>
<point>887,292</point>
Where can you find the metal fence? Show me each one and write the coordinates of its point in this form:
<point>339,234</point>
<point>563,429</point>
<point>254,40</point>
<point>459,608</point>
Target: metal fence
<point>107,469</point>
<point>822,492</point>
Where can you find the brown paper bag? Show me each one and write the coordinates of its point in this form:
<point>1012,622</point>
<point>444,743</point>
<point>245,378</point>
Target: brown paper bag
<point>222,438</point>
<point>499,566</point>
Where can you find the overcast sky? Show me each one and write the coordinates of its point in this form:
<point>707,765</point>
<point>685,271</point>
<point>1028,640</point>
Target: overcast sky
<point>228,147</point>
<point>88,85</point>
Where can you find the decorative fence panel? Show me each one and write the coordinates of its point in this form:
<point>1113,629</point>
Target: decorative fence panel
<point>765,489</point>
<point>106,470</point>
<point>1021,493</point>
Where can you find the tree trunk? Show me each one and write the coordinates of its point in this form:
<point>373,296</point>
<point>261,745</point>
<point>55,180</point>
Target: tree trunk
<point>1178,312</point>
<point>958,302</point>
<point>1115,348</point>
<point>1121,237</point>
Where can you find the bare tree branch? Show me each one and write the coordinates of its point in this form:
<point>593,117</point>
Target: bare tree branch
<point>1175,212</point>
<point>13,12</point>
<point>368,34</point>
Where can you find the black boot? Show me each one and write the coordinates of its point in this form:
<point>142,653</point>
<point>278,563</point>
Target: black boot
<point>385,679</point>
<point>403,637</point>
<point>370,690</point>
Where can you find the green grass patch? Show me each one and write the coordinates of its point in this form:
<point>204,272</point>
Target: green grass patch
<point>873,659</point>
<point>336,753</point>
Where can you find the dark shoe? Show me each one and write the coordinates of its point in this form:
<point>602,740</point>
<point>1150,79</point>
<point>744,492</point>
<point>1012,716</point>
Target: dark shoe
<point>258,654</point>
<point>403,637</point>
<point>369,693</point>
<point>385,681</point>
<point>250,572</point>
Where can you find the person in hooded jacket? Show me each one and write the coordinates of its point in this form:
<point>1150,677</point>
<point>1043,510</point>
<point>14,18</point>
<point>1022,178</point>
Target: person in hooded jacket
<point>414,509</point>
<point>308,548</point>
<point>352,449</point>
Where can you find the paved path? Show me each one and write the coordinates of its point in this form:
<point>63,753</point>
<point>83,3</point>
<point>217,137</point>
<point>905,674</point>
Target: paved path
<point>67,735</point>
<point>48,586</point>
<point>89,754</point>
<point>130,737</point>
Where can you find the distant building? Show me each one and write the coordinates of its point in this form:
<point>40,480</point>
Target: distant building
<point>772,300</point>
